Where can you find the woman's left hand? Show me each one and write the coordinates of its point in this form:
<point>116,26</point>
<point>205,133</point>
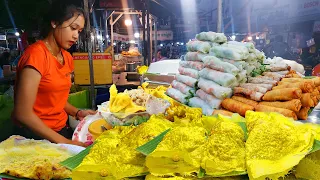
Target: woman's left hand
<point>83,113</point>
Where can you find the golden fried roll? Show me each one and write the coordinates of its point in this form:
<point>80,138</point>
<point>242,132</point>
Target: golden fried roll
<point>315,92</point>
<point>316,81</point>
<point>295,80</point>
<point>223,112</point>
<point>283,94</point>
<point>306,100</point>
<point>245,100</point>
<point>292,76</point>
<point>236,106</point>
<point>285,112</point>
<point>306,87</point>
<point>315,100</point>
<point>293,105</point>
<point>318,88</point>
<point>303,113</point>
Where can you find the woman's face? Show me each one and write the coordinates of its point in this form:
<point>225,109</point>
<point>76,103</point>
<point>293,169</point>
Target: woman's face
<point>68,32</point>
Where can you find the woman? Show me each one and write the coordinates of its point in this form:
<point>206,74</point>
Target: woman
<point>44,78</point>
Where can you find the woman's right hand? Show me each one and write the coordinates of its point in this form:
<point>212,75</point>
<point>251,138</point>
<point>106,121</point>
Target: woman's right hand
<point>77,143</point>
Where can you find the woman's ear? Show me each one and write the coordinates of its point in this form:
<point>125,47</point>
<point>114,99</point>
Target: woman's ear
<point>53,25</point>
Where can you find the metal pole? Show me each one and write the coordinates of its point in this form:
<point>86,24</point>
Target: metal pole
<point>144,37</point>
<point>151,40</point>
<point>148,33</point>
<point>89,40</point>
<point>155,39</point>
<point>6,39</point>
<point>111,36</point>
<point>219,15</point>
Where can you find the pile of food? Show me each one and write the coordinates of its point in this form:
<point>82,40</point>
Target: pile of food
<point>131,53</point>
<point>25,158</point>
<point>212,68</point>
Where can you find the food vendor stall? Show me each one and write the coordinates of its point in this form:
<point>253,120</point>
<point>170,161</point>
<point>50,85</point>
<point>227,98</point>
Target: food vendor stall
<point>228,113</point>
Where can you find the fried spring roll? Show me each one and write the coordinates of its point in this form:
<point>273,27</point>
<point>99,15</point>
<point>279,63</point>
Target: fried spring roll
<point>256,96</point>
<point>285,112</point>
<point>295,80</point>
<point>293,105</point>
<point>223,112</point>
<point>315,92</point>
<point>303,113</point>
<point>306,87</point>
<point>236,106</point>
<point>283,94</point>
<point>245,100</point>
<point>318,88</point>
<point>306,100</point>
<point>315,101</point>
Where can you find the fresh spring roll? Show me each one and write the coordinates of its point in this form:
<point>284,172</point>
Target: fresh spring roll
<point>200,46</point>
<point>274,76</point>
<point>303,113</point>
<point>182,87</point>
<point>267,86</point>
<point>241,75</point>
<point>260,55</point>
<point>241,65</point>
<point>186,80</point>
<point>306,100</point>
<point>224,79</point>
<point>282,72</point>
<point>189,72</point>
<point>197,65</point>
<point>283,94</point>
<point>211,36</point>
<point>197,102</point>
<point>245,100</point>
<point>194,56</point>
<point>212,101</point>
<point>293,105</point>
<point>236,106</point>
<point>241,48</point>
<point>229,53</point>
<point>223,112</point>
<point>248,45</point>
<point>256,96</point>
<point>218,65</point>
<point>256,80</point>
<point>215,89</point>
<point>177,95</point>
<point>278,67</point>
<point>285,112</point>
<point>306,87</point>
<point>255,87</point>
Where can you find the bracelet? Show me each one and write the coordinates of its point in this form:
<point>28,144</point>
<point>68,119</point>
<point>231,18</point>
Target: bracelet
<point>77,114</point>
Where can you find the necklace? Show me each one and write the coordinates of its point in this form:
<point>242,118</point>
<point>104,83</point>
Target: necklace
<point>60,60</point>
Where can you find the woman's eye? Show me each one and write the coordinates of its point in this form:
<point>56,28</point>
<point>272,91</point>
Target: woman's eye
<point>73,28</point>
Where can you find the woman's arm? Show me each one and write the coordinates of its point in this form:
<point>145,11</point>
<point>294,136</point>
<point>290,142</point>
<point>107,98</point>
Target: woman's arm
<point>25,96</point>
<point>70,110</point>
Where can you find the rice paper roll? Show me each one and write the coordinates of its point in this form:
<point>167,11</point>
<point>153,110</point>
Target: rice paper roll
<point>177,95</point>
<point>306,87</point>
<point>248,45</point>
<point>223,79</point>
<point>211,36</point>
<point>197,102</point>
<point>197,65</point>
<point>241,48</point>
<point>187,80</point>
<point>278,67</point>
<point>274,76</point>
<point>219,65</point>
<point>306,100</point>
<point>200,46</point>
<point>189,72</point>
<point>253,95</point>
<point>236,106</point>
<point>293,105</point>
<point>241,65</point>
<point>255,87</point>
<point>241,75</point>
<point>282,72</point>
<point>222,112</point>
<point>252,58</point>
<point>245,100</point>
<point>229,53</point>
<point>182,87</point>
<point>256,80</point>
<point>249,69</point>
<point>283,94</point>
<point>215,89</point>
<point>266,86</point>
<point>211,100</point>
<point>285,112</point>
<point>260,55</point>
<point>303,113</point>
<point>194,56</point>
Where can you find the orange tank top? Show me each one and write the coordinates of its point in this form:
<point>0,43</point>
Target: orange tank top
<point>55,83</point>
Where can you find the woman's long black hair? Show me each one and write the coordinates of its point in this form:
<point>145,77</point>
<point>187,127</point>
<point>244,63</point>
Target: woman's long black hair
<point>61,11</point>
